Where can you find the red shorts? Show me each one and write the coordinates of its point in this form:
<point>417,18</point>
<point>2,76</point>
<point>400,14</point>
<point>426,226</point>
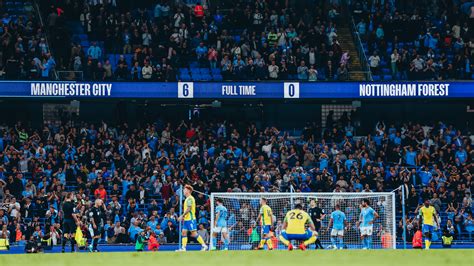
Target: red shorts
<point>152,246</point>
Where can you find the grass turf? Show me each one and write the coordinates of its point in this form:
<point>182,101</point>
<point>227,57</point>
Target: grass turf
<point>456,257</point>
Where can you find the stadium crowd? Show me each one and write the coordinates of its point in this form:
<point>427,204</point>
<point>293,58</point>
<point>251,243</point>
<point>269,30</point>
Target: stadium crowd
<point>237,40</point>
<point>25,53</point>
<point>417,40</point>
<point>159,40</point>
<point>138,172</point>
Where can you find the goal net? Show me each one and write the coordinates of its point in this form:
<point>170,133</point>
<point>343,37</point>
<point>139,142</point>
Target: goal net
<point>243,230</point>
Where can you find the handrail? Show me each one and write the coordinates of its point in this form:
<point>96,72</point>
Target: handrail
<point>360,50</point>
<point>46,35</point>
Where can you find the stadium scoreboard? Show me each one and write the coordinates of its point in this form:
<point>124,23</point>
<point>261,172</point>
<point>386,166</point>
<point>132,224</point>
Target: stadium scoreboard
<point>236,90</point>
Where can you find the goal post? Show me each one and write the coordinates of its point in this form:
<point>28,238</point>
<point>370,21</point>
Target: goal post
<point>244,229</point>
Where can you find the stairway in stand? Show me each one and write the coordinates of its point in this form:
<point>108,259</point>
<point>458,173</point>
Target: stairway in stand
<point>346,41</point>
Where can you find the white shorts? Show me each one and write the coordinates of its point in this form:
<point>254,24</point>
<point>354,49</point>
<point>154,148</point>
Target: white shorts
<point>366,230</point>
<point>220,229</point>
<point>335,232</point>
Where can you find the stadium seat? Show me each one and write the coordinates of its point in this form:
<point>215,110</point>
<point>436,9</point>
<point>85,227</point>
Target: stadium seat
<point>128,59</point>
<point>85,43</point>
<point>196,76</point>
<point>183,71</point>
<point>204,71</point>
<point>321,76</point>
<point>185,77</point>
<point>195,71</point>
<point>217,77</point>
<point>206,77</point>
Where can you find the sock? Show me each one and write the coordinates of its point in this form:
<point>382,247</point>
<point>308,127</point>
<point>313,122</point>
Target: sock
<point>310,241</point>
<point>284,241</point>
<point>226,243</point>
<point>364,242</point>
<point>64,242</point>
<point>318,243</point>
<point>214,242</point>
<point>333,241</point>
<point>427,244</point>
<point>262,242</point>
<point>341,242</point>
<point>369,242</point>
<point>269,243</point>
<point>73,242</point>
<point>200,240</point>
<point>184,242</point>
<point>95,241</point>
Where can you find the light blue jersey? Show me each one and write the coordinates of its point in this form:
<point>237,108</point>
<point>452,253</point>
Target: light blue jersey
<point>367,216</point>
<point>338,218</point>
<point>222,212</point>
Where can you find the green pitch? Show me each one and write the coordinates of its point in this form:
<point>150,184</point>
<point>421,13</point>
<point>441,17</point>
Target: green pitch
<point>257,258</point>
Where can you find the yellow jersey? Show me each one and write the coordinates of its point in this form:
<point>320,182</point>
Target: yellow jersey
<point>267,214</point>
<point>428,215</point>
<point>296,221</point>
<point>190,202</point>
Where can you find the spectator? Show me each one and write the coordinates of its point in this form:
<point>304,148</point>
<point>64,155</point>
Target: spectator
<point>345,58</point>
<point>362,29</point>
<point>417,241</point>
<point>170,233</point>
<point>94,52</point>
<point>302,71</point>
<point>395,61</point>
<point>273,70</point>
<point>198,11</point>
<point>136,72</point>
<point>212,57</point>
<point>312,74</point>
<point>100,192</point>
<point>108,70</point>
<point>469,225</point>
<point>201,52</point>
<point>162,239</point>
<point>374,62</point>
<point>446,239</point>
<point>134,230</point>
<point>342,73</point>
<point>203,233</point>
<point>147,72</point>
<point>146,38</point>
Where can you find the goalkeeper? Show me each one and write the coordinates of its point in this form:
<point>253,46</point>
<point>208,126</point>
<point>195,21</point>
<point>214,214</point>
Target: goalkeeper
<point>294,228</point>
